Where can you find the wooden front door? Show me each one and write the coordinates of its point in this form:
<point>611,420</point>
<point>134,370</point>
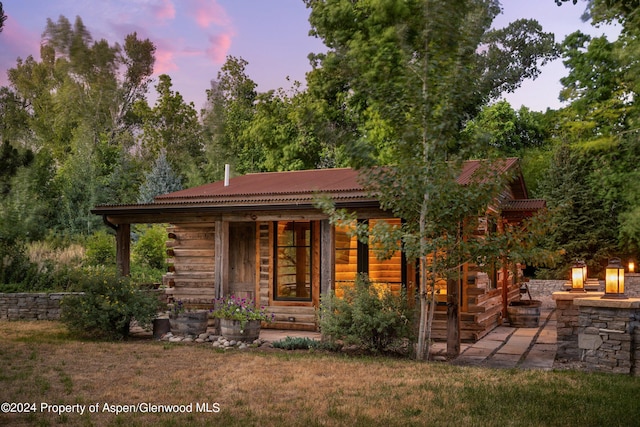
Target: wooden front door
<point>242,259</point>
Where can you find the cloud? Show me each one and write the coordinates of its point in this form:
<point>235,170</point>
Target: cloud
<point>219,45</point>
<point>163,11</point>
<point>207,12</point>
<point>165,61</point>
<point>16,42</point>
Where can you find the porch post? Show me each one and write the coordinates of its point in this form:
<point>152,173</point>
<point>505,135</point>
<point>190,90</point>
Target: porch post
<point>221,258</point>
<point>123,249</point>
<point>327,257</point>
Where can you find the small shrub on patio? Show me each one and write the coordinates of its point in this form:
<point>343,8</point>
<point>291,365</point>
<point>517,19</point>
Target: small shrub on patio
<point>370,317</point>
<point>107,307</point>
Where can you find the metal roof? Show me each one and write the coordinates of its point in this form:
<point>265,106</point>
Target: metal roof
<point>523,205</point>
<point>273,187</point>
<point>290,189</point>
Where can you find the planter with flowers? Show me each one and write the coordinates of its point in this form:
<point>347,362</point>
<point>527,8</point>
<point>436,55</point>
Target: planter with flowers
<point>183,321</point>
<point>240,320</point>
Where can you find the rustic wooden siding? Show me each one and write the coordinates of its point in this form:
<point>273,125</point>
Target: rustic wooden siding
<point>191,260</point>
<point>265,263</point>
<point>483,312</point>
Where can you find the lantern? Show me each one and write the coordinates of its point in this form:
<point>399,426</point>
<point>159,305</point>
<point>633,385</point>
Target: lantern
<point>578,276</point>
<point>614,280</point>
<point>632,266</point>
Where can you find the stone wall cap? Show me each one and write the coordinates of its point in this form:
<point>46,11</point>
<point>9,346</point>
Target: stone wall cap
<point>609,303</point>
<point>569,296</point>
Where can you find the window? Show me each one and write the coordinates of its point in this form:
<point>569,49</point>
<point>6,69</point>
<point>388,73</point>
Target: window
<point>353,257</point>
<point>293,260</point>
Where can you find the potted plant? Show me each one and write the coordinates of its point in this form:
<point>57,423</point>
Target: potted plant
<point>240,320</point>
<point>184,321</point>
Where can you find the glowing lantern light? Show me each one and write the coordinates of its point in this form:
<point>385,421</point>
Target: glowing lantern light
<point>614,280</point>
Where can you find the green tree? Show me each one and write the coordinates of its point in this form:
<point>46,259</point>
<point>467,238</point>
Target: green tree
<point>227,116</point>
<point>3,17</point>
<point>500,127</point>
<point>599,129</point>
<point>409,75</point>
<point>171,126</point>
<point>288,127</point>
<point>75,105</point>
<point>160,180</point>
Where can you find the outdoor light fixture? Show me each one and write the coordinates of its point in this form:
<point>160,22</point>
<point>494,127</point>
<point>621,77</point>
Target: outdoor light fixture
<point>632,266</point>
<point>578,276</point>
<point>614,280</point>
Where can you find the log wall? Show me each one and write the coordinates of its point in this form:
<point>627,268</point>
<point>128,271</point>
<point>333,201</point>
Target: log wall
<point>191,250</point>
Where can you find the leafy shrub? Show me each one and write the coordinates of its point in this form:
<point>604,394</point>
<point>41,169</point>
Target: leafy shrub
<point>15,266</point>
<point>39,266</point>
<point>101,249</point>
<point>370,317</point>
<point>108,305</point>
<point>150,248</point>
<point>296,343</point>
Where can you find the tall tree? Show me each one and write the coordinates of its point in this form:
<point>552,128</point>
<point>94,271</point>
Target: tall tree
<point>160,180</point>
<point>407,75</point>
<point>230,109</point>
<point>3,17</point>
<point>171,126</point>
<point>500,127</point>
<point>77,103</point>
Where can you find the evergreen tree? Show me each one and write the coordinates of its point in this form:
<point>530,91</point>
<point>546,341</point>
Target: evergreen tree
<point>160,180</point>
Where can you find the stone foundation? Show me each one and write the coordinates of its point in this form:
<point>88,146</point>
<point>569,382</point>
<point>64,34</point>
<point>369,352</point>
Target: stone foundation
<point>568,323</point>
<point>30,306</point>
<point>608,334</point>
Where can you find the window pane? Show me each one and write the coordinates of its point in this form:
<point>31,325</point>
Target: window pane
<point>293,262</point>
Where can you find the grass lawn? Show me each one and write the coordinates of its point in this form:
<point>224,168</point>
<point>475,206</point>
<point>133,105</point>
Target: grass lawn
<point>40,364</point>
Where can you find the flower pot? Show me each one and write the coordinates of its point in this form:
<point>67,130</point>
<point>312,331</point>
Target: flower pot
<point>189,322</point>
<point>233,330</point>
<point>160,327</point>
<point>524,313</point>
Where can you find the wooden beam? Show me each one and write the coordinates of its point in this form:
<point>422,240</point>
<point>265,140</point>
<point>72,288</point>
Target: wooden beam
<point>327,257</point>
<point>453,317</point>
<point>123,249</point>
<point>221,259</point>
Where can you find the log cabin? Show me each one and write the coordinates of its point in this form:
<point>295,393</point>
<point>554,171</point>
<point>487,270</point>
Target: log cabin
<point>261,236</point>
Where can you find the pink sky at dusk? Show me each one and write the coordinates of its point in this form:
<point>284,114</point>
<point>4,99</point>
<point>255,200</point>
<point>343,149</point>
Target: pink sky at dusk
<point>193,38</point>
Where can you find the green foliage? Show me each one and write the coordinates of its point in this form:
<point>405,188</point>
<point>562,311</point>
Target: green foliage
<point>231,107</point>
<point>171,129</point>
<point>241,309</point>
<point>499,127</point>
<point>107,306</point>
<point>22,271</point>
<point>3,17</point>
<point>370,317</point>
<point>101,249</point>
<point>150,247</point>
<point>296,343</point>
<point>160,180</point>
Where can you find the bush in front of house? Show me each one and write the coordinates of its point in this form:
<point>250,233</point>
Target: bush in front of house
<point>369,316</point>
<point>295,343</point>
<point>150,248</point>
<point>107,306</point>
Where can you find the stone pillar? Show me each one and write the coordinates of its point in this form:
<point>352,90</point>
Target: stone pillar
<point>567,323</point>
<point>607,334</point>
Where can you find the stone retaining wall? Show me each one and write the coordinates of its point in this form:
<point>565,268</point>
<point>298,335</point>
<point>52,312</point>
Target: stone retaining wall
<point>608,336</point>
<point>544,288</point>
<point>31,306</point>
